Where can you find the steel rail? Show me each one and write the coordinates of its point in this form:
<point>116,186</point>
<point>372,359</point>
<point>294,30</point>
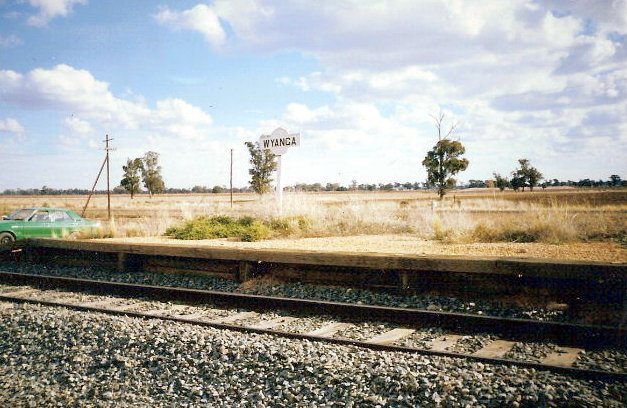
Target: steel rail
<point>565,334</point>
<point>582,373</point>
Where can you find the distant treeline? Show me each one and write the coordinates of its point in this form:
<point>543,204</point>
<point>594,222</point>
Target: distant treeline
<point>118,190</point>
<point>355,187</point>
<point>614,181</point>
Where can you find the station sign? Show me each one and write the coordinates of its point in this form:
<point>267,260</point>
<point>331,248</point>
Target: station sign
<point>279,141</point>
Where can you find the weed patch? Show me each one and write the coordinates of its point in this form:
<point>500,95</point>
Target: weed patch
<point>245,228</point>
<point>440,233</point>
<point>542,230</point>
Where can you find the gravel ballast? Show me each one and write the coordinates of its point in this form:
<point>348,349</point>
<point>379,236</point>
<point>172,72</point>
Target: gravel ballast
<point>607,360</point>
<point>58,357</point>
<point>302,291</point>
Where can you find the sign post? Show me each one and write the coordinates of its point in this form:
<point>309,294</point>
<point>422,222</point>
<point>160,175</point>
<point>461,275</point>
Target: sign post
<point>278,142</point>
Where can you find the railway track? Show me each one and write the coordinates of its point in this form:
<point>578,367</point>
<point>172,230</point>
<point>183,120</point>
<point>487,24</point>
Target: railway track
<point>480,338</point>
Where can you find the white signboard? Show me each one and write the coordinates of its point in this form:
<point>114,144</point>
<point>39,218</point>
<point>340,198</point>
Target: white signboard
<point>279,141</point>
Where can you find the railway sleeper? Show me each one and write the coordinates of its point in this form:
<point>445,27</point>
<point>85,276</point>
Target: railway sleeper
<point>562,359</point>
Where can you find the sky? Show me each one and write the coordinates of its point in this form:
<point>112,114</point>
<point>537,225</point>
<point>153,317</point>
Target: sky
<point>360,80</point>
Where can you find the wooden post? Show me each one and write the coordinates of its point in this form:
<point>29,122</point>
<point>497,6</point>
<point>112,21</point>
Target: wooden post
<point>623,323</point>
<point>122,262</point>
<point>245,271</point>
<point>107,140</point>
<point>93,187</point>
<point>279,188</point>
<point>403,280</point>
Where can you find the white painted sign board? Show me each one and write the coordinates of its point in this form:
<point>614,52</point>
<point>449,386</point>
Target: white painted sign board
<point>278,142</point>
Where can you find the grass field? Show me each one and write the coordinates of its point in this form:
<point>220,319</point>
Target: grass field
<point>478,215</point>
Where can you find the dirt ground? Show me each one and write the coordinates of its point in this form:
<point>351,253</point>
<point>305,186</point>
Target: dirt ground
<point>408,244</point>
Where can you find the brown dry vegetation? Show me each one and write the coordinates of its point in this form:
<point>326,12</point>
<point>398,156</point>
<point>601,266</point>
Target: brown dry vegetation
<point>468,216</point>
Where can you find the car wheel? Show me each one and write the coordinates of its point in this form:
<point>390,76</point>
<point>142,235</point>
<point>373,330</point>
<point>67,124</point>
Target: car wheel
<point>6,238</point>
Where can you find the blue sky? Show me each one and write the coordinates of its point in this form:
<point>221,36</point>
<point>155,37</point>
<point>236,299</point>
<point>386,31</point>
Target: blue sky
<point>359,80</point>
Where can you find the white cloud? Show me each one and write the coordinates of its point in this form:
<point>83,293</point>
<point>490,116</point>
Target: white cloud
<point>77,93</point>
<point>201,18</point>
<point>543,80</point>
<point>10,125</point>
<point>303,115</point>
<point>71,90</point>
<point>178,118</point>
<point>77,126</point>
<point>50,9</point>
<point>87,110</point>
<point>346,141</point>
<point>450,49</point>
<point>608,16</point>
<point>76,131</point>
<point>523,77</point>
<point>349,140</point>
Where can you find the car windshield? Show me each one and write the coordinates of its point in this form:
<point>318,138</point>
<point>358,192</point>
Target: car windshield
<point>74,216</point>
<point>20,214</point>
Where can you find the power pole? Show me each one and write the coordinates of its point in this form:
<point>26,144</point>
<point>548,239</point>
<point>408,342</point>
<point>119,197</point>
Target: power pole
<point>105,161</point>
<point>93,188</point>
<point>107,149</point>
<point>231,178</point>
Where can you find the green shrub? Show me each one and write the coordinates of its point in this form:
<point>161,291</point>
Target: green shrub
<point>246,221</point>
<point>255,232</point>
<point>246,228</point>
<point>286,226</point>
<point>222,219</point>
<point>304,223</point>
<point>280,224</point>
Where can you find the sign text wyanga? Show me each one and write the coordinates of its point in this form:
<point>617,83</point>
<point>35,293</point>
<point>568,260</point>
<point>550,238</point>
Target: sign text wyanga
<point>279,141</point>
<point>284,141</point>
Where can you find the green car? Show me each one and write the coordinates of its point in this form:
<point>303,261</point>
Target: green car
<point>44,222</point>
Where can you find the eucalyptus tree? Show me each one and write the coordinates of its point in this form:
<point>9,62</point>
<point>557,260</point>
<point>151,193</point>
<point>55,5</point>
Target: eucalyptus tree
<point>529,175</point>
<point>151,173</point>
<point>131,180</point>
<point>501,182</point>
<point>263,163</point>
<point>444,160</point>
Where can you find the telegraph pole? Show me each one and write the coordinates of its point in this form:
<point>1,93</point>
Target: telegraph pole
<point>107,149</point>
<point>231,178</point>
<point>105,161</point>
<point>93,188</point>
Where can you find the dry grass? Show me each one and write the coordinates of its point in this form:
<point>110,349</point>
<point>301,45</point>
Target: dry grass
<point>552,216</point>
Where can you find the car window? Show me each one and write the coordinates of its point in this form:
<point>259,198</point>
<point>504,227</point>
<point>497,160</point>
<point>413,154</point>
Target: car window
<point>41,216</point>
<point>60,216</point>
<point>73,215</point>
<point>20,214</point>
